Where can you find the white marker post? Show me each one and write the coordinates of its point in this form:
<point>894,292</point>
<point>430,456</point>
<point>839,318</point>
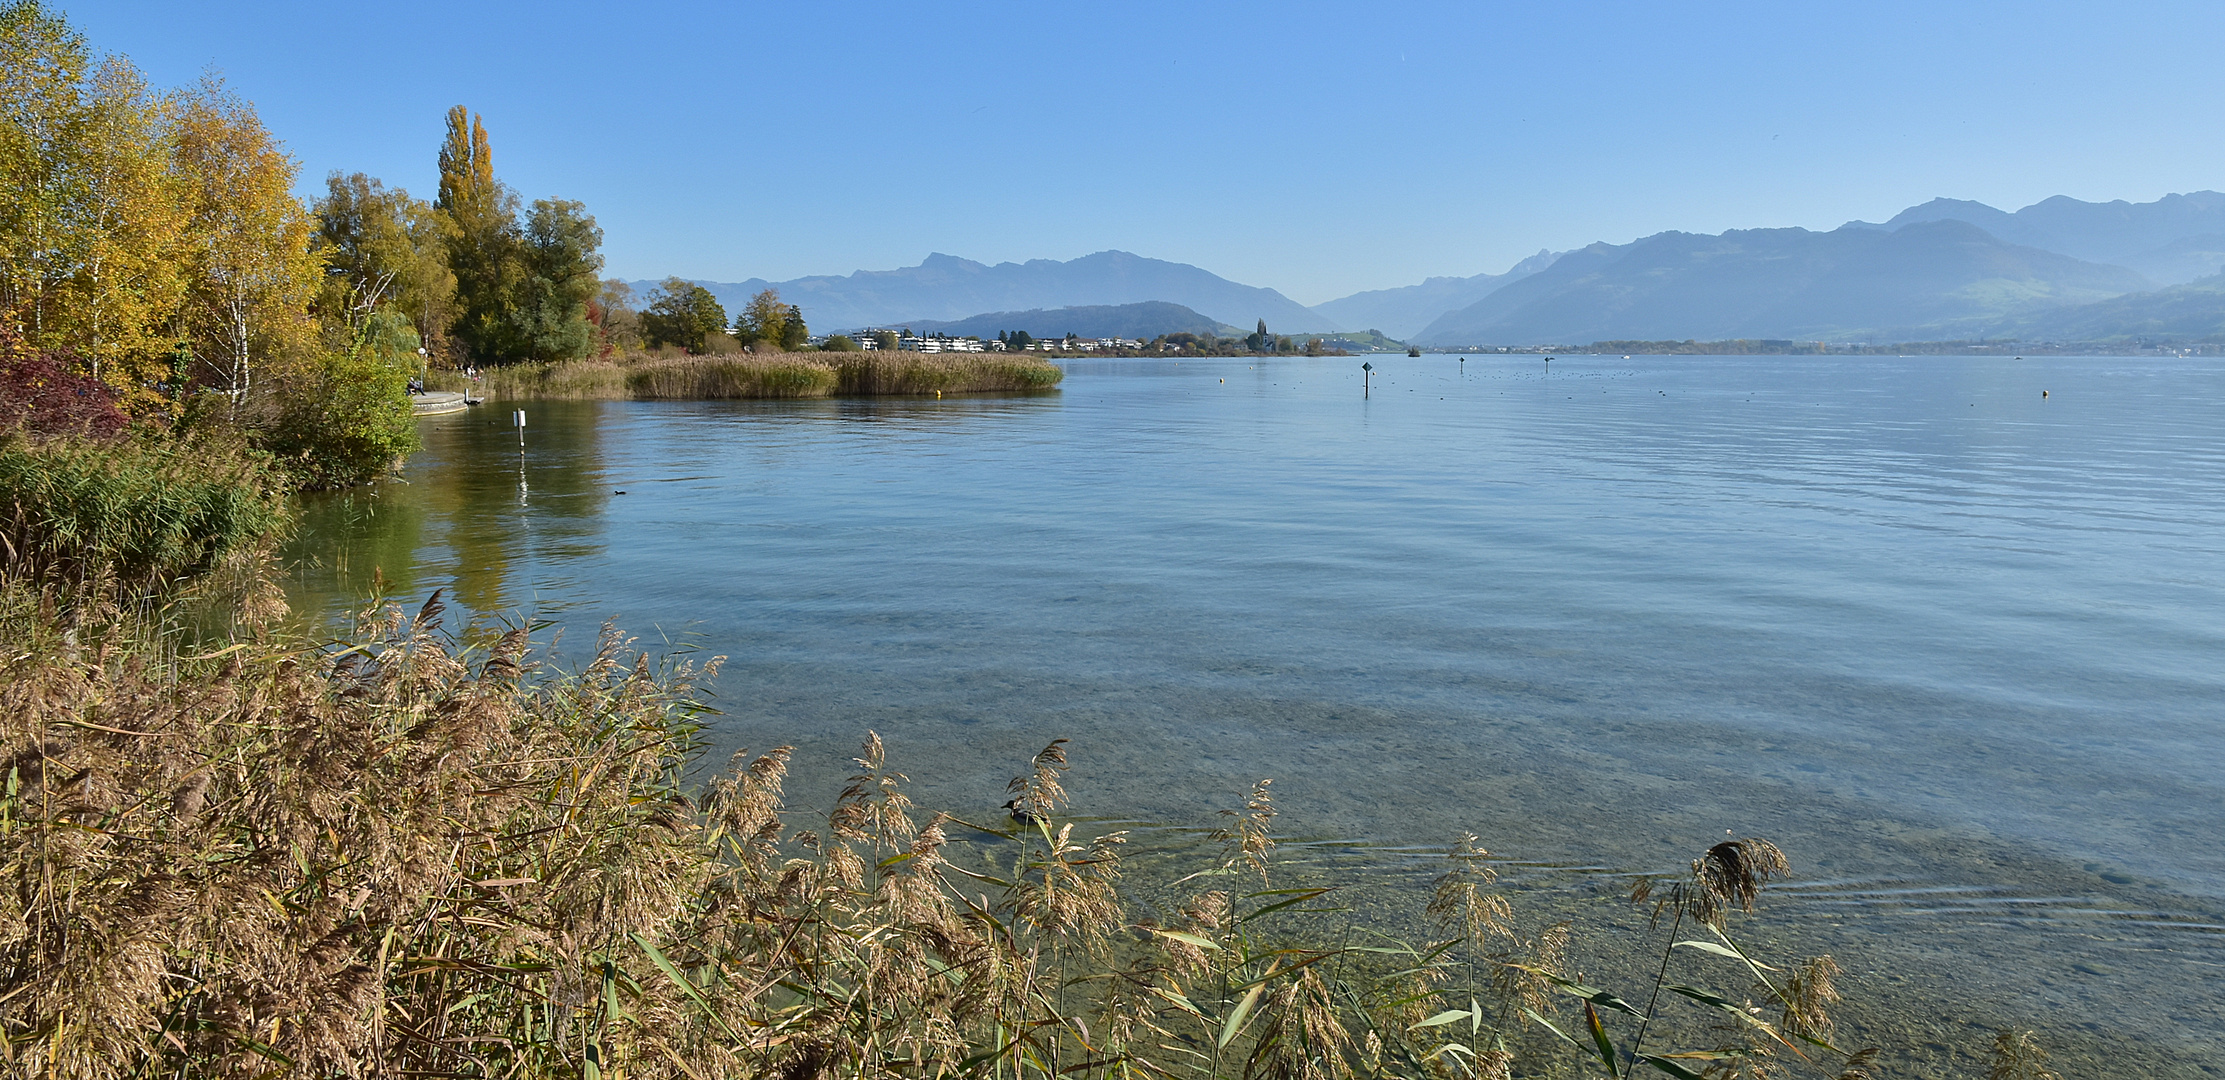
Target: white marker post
<point>1367,376</point>
<point>519,419</point>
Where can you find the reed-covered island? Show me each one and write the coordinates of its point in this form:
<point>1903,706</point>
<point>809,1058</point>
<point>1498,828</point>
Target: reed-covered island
<point>690,377</point>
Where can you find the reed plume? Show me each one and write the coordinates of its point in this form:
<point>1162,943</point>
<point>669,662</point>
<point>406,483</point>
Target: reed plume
<point>2016,1054</point>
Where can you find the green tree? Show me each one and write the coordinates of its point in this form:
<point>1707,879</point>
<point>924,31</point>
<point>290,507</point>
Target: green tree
<point>560,259</point>
<point>841,343</point>
<point>682,313</point>
<point>384,251</point>
<point>764,320</point>
<point>793,333</point>
<point>884,339</point>
<point>346,419</point>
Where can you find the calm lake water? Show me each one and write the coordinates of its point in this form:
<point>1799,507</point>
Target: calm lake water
<point>1958,648</point>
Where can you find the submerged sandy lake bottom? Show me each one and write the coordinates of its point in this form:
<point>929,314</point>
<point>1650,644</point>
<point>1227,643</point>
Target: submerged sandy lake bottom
<point>1959,649</point>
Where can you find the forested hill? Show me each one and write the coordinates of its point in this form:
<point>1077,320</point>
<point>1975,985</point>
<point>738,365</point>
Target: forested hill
<point>945,287</point>
<point>1923,281</point>
<point>2194,311</point>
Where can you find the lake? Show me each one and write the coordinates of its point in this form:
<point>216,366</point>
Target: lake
<point>1959,648</point>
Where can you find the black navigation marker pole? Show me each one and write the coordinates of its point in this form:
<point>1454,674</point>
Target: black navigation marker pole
<point>1367,373</point>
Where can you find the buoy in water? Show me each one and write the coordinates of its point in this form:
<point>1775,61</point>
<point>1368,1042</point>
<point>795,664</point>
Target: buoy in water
<point>2043,393</point>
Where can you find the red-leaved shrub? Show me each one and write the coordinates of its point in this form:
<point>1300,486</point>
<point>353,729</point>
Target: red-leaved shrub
<point>41,393</point>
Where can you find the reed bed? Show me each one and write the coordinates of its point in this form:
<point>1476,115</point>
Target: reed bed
<point>952,373</point>
<point>761,375</point>
<point>731,375</point>
<point>404,857</point>
<point>140,512</point>
<point>399,855</point>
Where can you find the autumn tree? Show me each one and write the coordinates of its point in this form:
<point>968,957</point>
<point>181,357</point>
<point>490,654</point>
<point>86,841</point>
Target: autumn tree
<point>768,323</point>
<point>483,250</point>
<point>152,241</point>
<point>251,273</point>
<point>41,115</point>
<point>384,251</point>
<point>90,214</point>
<point>617,321</point>
<point>682,313</point>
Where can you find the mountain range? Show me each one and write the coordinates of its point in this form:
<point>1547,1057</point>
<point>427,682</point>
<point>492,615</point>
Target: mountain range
<point>2060,269</point>
<point>1145,320</point>
<point>1403,311</point>
<point>1927,280</point>
<point>947,288</point>
<point>2194,311</point>
<point>2172,240</point>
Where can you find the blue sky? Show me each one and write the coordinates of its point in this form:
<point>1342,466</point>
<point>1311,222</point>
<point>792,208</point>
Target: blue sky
<point>1316,148</point>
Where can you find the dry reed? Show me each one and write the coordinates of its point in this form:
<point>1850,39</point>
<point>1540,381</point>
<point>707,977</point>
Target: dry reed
<point>397,856</point>
<point>394,855</point>
<point>761,375</point>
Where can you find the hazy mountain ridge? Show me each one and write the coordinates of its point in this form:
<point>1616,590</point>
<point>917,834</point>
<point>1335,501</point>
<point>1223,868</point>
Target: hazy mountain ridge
<point>1403,311</point>
<point>1145,320</point>
<point>2172,240</point>
<point>1941,278</point>
<point>2062,269</point>
<point>947,288</point>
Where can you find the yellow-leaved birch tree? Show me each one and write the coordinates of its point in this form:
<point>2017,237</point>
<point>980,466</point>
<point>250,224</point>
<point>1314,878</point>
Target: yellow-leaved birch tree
<point>125,240</point>
<point>90,217</point>
<point>251,271</point>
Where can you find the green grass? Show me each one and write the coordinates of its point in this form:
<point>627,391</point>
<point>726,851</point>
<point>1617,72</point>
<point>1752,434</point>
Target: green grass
<point>142,512</point>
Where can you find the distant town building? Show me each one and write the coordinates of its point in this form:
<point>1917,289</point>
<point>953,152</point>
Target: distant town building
<point>1104,344</point>
<point>938,344</point>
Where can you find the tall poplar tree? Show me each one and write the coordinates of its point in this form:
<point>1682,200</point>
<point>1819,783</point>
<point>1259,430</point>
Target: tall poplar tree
<point>484,248</point>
